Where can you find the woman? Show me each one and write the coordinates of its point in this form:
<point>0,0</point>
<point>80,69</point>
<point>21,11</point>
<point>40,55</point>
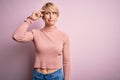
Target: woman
<point>52,45</point>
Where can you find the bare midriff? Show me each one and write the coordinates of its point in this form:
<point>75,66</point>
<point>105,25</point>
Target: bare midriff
<point>45,71</point>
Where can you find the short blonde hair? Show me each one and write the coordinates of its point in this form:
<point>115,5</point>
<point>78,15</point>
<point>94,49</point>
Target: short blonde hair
<point>49,6</point>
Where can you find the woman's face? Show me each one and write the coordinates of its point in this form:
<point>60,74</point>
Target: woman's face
<point>50,18</point>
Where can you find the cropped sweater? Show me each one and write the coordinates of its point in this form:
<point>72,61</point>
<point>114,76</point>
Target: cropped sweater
<point>52,47</point>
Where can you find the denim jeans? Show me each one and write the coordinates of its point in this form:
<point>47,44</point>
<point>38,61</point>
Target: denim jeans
<point>57,75</point>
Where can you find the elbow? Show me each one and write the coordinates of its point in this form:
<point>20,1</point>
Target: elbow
<point>14,37</point>
<point>66,61</point>
<point>21,38</point>
<point>17,38</point>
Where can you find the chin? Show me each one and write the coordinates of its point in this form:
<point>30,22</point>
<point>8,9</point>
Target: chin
<point>51,24</point>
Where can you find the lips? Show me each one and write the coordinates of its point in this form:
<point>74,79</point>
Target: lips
<point>51,20</point>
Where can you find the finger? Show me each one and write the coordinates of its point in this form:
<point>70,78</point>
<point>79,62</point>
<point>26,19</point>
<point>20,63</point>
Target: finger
<point>41,15</point>
<point>37,14</point>
<point>41,11</point>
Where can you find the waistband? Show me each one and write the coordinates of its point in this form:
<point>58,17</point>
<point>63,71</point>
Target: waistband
<point>40,73</point>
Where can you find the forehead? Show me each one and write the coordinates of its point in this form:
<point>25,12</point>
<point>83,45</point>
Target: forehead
<point>50,10</point>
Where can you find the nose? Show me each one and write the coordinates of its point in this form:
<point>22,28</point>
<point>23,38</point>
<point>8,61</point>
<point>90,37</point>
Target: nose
<point>51,15</point>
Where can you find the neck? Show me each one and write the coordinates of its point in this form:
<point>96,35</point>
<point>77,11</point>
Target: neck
<point>50,26</point>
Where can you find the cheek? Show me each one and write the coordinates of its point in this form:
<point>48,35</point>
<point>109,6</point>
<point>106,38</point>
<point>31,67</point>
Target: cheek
<point>56,17</point>
<point>46,16</point>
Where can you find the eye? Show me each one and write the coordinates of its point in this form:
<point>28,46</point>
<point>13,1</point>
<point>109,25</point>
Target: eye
<point>47,12</point>
<point>54,12</point>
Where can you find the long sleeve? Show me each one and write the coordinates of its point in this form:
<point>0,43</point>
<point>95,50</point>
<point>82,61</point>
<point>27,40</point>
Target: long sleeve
<point>22,35</point>
<point>66,59</point>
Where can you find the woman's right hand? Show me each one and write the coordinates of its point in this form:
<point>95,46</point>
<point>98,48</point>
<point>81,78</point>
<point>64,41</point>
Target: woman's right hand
<point>36,15</point>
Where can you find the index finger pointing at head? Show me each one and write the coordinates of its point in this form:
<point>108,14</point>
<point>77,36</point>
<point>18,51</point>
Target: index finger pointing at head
<point>42,10</point>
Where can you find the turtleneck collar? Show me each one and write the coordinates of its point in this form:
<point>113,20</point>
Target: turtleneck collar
<point>49,28</point>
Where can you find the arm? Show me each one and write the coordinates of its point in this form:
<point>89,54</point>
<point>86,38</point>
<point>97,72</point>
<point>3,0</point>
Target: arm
<point>21,34</point>
<point>66,59</point>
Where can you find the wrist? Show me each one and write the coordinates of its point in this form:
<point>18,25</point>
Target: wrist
<point>28,20</point>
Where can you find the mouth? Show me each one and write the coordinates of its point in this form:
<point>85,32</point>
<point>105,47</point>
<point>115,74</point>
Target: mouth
<point>51,20</point>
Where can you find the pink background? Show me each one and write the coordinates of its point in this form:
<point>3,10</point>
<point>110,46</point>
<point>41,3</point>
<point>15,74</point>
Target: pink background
<point>93,27</point>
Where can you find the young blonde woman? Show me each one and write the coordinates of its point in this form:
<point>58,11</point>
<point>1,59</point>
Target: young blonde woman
<point>52,60</point>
